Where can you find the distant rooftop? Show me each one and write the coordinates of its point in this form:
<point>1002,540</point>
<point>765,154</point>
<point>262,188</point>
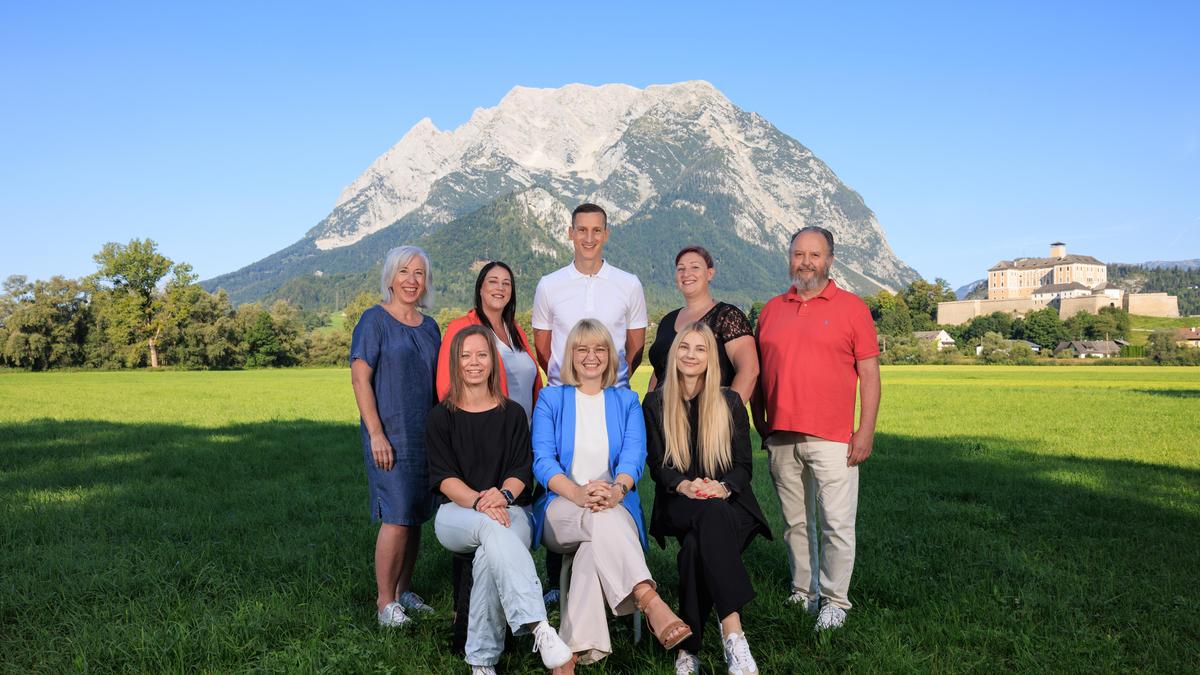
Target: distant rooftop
<point>1059,288</point>
<point>1043,263</point>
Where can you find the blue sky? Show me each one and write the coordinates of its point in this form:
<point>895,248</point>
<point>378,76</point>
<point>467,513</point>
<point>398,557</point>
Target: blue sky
<point>974,131</point>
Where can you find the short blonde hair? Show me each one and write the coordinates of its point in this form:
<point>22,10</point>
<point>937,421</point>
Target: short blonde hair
<point>588,330</point>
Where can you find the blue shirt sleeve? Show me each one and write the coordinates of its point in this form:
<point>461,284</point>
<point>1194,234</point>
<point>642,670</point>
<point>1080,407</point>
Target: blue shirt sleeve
<point>367,340</point>
<point>632,458</point>
<point>546,464</point>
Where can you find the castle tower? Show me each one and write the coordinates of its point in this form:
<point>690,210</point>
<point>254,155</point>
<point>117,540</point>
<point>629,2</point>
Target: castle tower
<point>1058,250</point>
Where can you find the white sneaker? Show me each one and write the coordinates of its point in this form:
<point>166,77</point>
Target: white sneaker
<point>831,617</point>
<point>687,664</point>
<point>554,652</point>
<point>737,655</point>
<point>392,615</point>
<point>799,598</point>
<point>413,603</point>
<point>482,670</point>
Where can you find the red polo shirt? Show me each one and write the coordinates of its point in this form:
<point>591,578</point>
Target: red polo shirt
<point>808,350</point>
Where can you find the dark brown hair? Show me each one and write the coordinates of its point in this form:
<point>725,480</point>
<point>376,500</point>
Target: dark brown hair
<point>588,207</point>
<point>698,250</point>
<point>509,313</point>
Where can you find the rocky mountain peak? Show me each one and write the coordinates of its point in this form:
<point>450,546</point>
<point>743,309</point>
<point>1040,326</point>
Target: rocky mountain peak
<point>669,162</point>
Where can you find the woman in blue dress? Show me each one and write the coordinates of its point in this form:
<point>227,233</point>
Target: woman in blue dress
<point>393,361</point>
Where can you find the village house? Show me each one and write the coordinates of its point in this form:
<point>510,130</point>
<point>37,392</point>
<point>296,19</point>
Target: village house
<point>940,337</point>
<point>1089,349</point>
<point>1189,337</point>
<point>1009,344</point>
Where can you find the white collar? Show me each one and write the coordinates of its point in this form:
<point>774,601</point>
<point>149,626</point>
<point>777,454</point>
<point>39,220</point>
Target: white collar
<point>602,273</point>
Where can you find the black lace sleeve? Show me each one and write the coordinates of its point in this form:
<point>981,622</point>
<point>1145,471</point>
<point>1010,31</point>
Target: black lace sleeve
<point>729,323</point>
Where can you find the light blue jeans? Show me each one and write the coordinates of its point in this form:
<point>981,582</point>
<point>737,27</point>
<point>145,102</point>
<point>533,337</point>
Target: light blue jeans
<point>505,589</point>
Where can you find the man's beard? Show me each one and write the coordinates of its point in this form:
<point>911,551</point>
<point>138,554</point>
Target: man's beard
<point>816,281</point>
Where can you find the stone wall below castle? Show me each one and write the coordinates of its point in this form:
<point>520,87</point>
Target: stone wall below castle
<point>1152,304</point>
<point>1142,304</point>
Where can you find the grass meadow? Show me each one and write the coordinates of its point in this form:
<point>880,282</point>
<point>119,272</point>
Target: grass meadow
<point>1011,519</point>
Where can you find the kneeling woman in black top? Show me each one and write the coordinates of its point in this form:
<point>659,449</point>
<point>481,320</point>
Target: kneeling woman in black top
<point>698,452</point>
<point>480,467</point>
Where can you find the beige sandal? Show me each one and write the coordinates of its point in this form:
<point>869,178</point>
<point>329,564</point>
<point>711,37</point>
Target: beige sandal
<point>652,599</point>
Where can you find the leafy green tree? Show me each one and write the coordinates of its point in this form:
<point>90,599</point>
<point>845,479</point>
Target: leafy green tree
<point>922,298</point>
<point>288,324</point>
<point>995,348</point>
<point>1042,327</point>
<point>361,303</point>
<point>891,314</point>
<point>261,345</point>
<point>996,322</point>
<point>1110,323</point>
<point>1162,347</point>
<point>200,329</point>
<point>1020,353</point>
<point>907,350</point>
<point>129,275</point>
<point>755,312</point>
<point>1079,326</point>
<point>46,323</point>
<point>328,348</point>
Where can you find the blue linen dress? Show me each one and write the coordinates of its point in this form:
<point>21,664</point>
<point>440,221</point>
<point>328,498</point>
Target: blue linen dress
<point>403,361</point>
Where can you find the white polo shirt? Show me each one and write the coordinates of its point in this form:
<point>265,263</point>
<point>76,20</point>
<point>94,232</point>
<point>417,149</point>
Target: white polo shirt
<point>611,296</point>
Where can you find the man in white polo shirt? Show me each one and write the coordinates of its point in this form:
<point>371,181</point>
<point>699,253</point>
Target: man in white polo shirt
<point>589,288</point>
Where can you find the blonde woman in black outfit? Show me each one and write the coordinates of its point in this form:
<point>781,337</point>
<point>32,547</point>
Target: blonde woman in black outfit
<point>737,355</point>
<point>698,452</point>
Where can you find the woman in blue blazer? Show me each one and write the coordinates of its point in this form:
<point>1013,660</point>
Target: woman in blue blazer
<point>589,450</point>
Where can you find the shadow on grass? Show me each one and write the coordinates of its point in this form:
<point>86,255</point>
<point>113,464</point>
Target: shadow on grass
<point>1171,393</point>
<point>248,547</point>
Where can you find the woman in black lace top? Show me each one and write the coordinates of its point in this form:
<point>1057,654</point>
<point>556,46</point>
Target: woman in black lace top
<point>736,352</point>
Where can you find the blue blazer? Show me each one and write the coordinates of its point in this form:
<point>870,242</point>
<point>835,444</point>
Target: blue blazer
<point>554,446</point>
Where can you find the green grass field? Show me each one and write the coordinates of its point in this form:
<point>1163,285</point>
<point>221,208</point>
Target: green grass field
<point>1031,519</point>
<point>1140,327</point>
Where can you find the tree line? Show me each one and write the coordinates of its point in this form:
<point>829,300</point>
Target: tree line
<point>140,308</point>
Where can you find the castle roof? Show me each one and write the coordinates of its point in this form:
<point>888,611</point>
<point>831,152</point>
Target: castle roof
<point>1059,288</point>
<point>1044,263</point>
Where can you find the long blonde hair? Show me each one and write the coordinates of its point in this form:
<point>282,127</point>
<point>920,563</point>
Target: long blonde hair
<point>715,433</point>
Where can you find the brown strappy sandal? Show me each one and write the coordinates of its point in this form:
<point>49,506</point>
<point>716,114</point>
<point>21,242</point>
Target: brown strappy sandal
<point>651,598</point>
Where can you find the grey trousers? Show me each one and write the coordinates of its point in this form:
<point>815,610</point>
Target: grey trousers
<point>506,590</point>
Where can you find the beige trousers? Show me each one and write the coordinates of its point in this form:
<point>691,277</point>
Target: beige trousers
<point>609,562</point>
<point>817,493</point>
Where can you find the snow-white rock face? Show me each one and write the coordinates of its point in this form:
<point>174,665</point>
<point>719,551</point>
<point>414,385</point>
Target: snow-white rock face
<point>625,148</point>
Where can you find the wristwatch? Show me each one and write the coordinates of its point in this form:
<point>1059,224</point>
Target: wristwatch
<point>624,488</point>
<point>508,497</point>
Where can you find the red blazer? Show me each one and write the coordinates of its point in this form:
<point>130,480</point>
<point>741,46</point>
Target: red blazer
<point>443,365</point>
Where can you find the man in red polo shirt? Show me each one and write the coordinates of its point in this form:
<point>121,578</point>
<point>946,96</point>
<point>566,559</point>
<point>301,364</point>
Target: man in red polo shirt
<point>816,342</point>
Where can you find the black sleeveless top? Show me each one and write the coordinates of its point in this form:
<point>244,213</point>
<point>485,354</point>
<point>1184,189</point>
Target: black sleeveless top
<point>727,323</point>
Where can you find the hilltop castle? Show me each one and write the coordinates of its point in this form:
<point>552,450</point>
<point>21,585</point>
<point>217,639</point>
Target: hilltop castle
<point>1073,283</point>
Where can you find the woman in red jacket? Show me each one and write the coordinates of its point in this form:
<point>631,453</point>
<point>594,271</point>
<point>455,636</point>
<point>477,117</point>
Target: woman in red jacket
<point>496,310</point>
